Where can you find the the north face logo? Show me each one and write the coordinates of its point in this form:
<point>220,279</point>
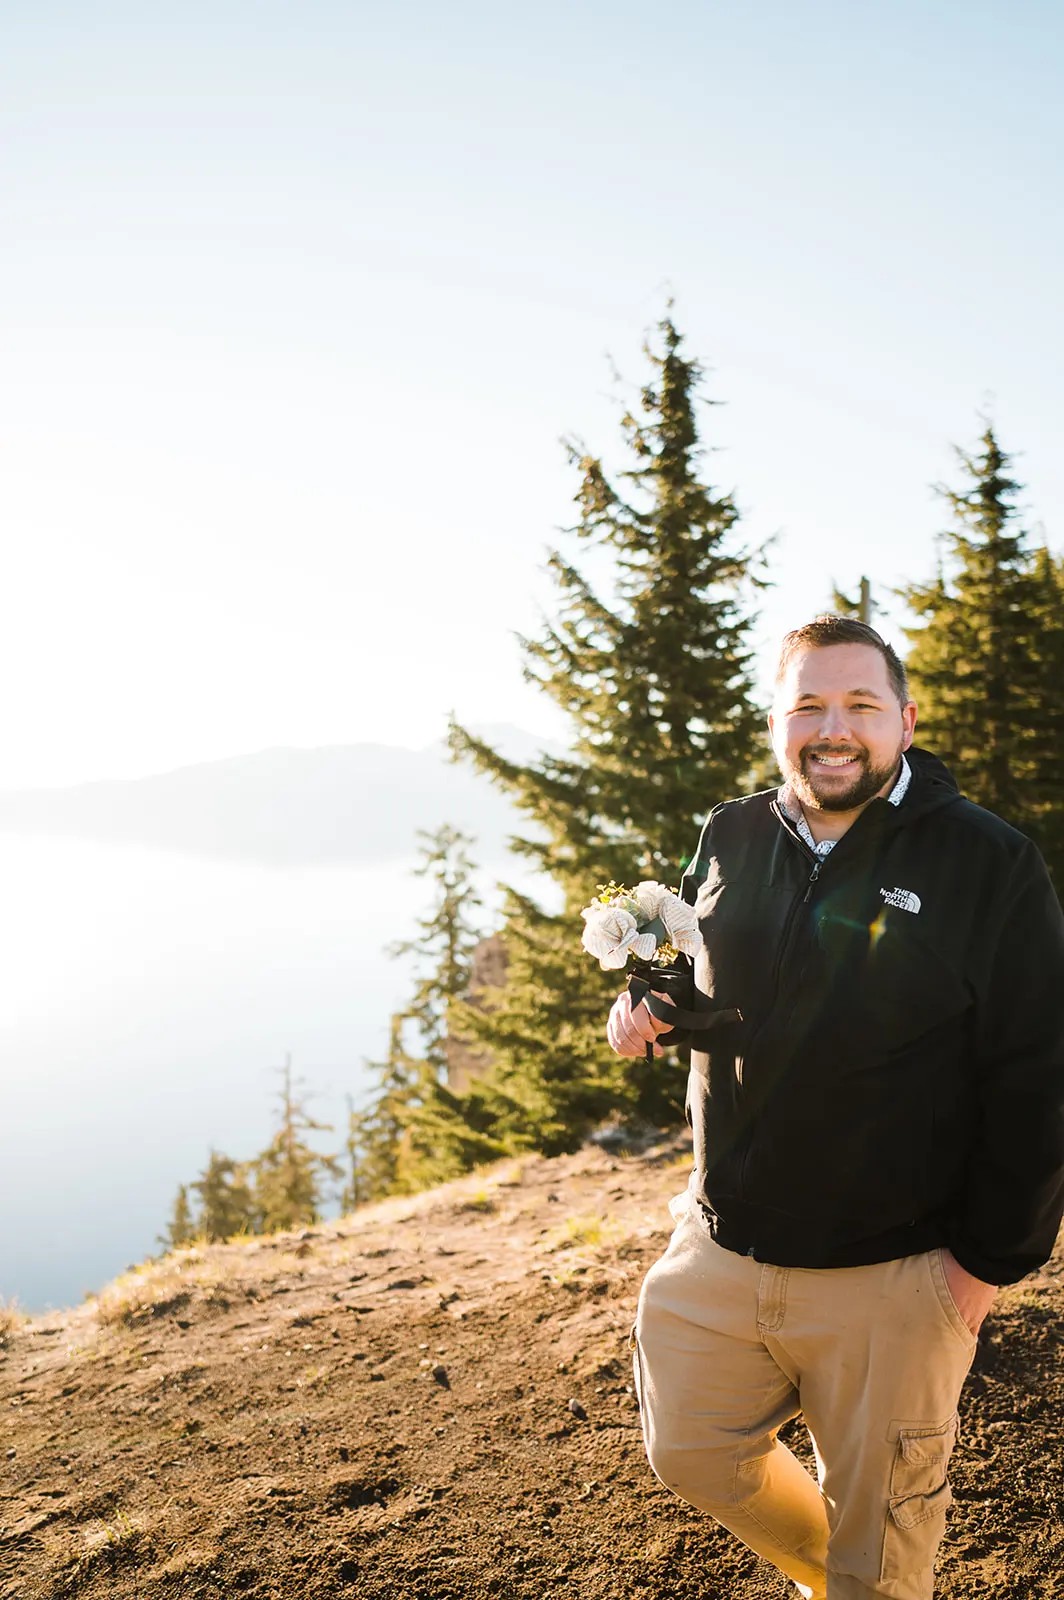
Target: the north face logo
<point>904,899</point>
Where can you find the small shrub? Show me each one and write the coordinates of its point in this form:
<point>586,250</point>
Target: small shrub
<point>157,1287</point>
<point>106,1543</point>
<point>582,1230</point>
<point>589,1231</point>
<point>11,1320</point>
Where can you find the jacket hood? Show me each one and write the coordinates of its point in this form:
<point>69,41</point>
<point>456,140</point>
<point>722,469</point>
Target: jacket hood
<point>933,784</point>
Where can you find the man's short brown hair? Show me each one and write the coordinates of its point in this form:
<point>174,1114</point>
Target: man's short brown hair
<point>830,629</point>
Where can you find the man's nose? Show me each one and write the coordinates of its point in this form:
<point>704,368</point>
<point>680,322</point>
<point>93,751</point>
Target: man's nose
<point>834,724</point>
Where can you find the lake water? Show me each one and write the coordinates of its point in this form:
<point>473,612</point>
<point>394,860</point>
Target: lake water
<point>148,1001</point>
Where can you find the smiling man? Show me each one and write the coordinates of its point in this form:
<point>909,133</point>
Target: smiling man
<point>839,741</point>
<point>878,1139</point>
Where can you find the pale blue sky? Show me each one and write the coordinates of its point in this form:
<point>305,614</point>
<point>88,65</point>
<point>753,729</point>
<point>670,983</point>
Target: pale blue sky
<point>298,300</point>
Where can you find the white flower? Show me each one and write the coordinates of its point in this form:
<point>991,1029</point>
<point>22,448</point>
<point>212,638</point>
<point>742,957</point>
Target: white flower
<point>681,924</point>
<point>611,934</point>
<point>648,897</point>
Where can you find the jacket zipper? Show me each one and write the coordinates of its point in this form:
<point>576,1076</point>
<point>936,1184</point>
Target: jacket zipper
<point>785,937</point>
<point>796,905</point>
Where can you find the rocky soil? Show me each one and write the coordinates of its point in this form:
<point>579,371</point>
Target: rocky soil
<point>432,1401</point>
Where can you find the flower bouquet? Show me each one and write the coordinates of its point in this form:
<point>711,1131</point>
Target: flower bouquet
<point>655,931</point>
<point>649,924</point>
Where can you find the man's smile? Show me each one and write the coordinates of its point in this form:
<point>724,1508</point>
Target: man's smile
<point>834,762</point>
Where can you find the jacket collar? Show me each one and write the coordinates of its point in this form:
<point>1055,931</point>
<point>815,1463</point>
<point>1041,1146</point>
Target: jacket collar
<point>930,785</point>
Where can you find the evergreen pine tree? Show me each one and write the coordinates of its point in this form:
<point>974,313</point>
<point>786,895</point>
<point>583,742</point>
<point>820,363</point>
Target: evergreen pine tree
<point>288,1176</point>
<point>354,1190</point>
<point>446,937</point>
<point>1043,638</point>
<point>375,1133</point>
<point>182,1228</point>
<point>986,658</point>
<point>226,1206</point>
<point>655,678</point>
<point>416,1131</point>
<point>552,1078</point>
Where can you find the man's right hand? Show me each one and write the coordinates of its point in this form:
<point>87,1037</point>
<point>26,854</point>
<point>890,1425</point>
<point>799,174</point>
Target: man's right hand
<point>631,1028</point>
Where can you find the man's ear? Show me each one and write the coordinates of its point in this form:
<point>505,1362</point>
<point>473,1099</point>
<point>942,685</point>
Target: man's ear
<point>908,714</point>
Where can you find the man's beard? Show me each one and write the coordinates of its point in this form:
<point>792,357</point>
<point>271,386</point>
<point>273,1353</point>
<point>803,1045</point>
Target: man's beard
<point>864,787</point>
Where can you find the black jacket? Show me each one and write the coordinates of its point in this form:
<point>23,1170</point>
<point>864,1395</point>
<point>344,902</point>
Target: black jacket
<point>896,1081</point>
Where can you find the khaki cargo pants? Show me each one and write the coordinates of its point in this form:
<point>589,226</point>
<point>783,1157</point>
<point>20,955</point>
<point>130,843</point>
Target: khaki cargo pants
<point>727,1350</point>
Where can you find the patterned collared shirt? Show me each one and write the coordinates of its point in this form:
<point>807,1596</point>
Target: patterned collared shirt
<point>789,805</point>
<point>695,872</point>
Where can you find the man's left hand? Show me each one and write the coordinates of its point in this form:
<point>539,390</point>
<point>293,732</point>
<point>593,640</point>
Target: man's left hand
<point>972,1297</point>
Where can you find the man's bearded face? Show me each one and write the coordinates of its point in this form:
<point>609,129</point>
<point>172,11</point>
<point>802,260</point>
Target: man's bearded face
<point>838,728</point>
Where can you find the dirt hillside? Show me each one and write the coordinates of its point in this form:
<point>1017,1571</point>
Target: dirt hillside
<point>432,1401</point>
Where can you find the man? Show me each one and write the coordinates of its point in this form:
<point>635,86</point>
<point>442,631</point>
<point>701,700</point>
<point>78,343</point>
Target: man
<point>877,1141</point>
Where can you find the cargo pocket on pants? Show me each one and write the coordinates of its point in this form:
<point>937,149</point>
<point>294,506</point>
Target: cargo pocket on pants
<point>920,1496</point>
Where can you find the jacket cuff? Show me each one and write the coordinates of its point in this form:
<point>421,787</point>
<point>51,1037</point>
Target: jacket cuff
<point>990,1269</point>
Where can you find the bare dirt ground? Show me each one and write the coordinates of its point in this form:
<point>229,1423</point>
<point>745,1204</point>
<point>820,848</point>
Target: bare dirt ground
<point>432,1401</point>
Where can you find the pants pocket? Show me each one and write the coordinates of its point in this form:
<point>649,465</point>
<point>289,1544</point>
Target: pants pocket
<point>947,1302</point>
<point>920,1496</point>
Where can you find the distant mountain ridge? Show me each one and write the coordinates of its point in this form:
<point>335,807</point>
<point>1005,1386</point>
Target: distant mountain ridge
<point>285,807</point>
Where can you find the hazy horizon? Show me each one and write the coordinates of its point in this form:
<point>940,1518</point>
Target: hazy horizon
<point>185,983</point>
<point>156,979</point>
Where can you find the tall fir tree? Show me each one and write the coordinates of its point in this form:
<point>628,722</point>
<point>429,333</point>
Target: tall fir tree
<point>653,670</point>
<point>354,1191</point>
<point>987,655</point>
<point>290,1175</point>
<point>415,1130</point>
<point>226,1205</point>
<point>375,1132</point>
<point>1044,637</point>
<point>181,1229</point>
<point>446,937</point>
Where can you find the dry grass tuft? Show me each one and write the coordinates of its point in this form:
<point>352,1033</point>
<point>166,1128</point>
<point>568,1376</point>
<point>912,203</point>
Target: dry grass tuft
<point>105,1543</point>
<point>11,1320</point>
<point>587,1231</point>
<point>160,1286</point>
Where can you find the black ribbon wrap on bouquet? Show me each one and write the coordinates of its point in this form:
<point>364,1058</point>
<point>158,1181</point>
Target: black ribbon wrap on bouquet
<point>647,981</point>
